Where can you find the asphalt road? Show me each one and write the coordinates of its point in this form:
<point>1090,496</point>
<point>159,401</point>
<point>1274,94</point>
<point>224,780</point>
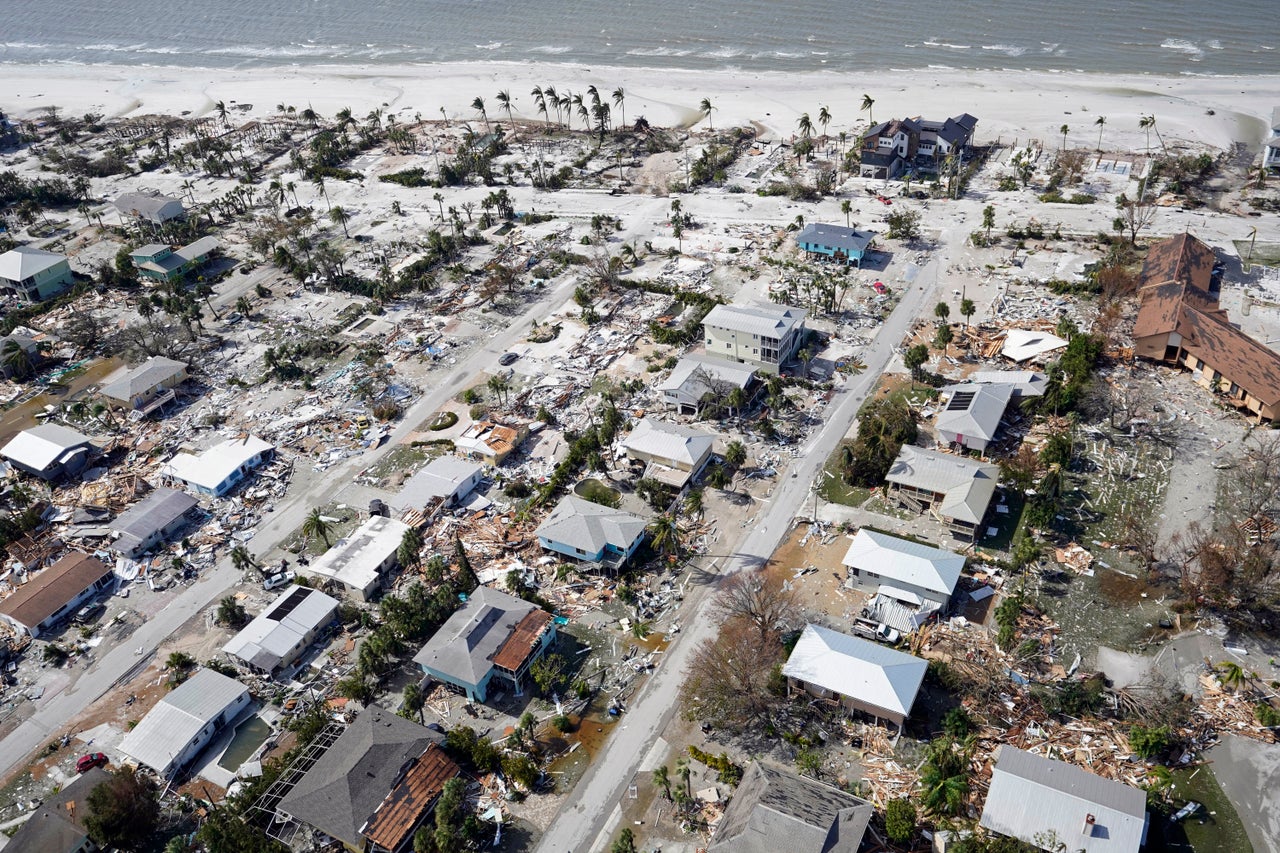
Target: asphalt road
<point>583,823</point>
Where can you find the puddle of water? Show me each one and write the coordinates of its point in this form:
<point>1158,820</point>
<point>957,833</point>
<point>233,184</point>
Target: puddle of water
<point>1123,589</point>
<point>250,735</point>
<point>590,732</point>
<point>23,416</point>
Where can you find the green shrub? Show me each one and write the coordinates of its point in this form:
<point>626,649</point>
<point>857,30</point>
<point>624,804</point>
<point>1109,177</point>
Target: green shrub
<point>1150,742</point>
<point>900,820</point>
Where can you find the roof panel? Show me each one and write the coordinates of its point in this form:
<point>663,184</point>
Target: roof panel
<point>853,667</point>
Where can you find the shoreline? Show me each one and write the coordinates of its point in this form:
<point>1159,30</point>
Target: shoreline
<point>1008,104</point>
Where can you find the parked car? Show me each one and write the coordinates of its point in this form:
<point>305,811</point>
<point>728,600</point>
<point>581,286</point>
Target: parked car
<point>233,318</point>
<point>508,358</point>
<point>87,762</point>
<point>278,580</point>
<point>89,613</point>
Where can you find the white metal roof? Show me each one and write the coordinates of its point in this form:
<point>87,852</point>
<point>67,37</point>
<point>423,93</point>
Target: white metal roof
<point>213,466</point>
<point>1020,344</point>
<point>354,561</point>
<point>176,720</point>
<point>905,561</point>
<point>41,446</point>
<point>974,410</point>
<point>862,670</point>
<point>1025,383</point>
<point>273,635</point>
<point>770,321</point>
<point>25,261</point>
<point>668,441</point>
<point>1032,795</point>
<point>966,485</point>
<point>441,478</point>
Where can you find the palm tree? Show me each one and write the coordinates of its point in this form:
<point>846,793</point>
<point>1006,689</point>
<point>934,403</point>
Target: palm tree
<point>1146,123</point>
<point>315,525</point>
<point>1100,123</point>
<point>824,119</point>
<point>706,108</point>
<point>805,125</point>
<point>413,699</point>
<point>619,99</point>
<point>1231,674</point>
<point>846,207</point>
<point>221,109</point>
<point>241,559</point>
<point>1151,121</point>
<point>682,772</point>
<point>318,181</point>
<point>16,361</point>
<point>1063,130</point>
<point>338,216</point>
<point>967,309</point>
<point>664,532</point>
<point>539,101</point>
<point>662,779</point>
<point>478,106</point>
<point>693,502</point>
<point>505,101</point>
<point>867,103</point>
<point>736,400</point>
<point>409,554</point>
<point>735,454</point>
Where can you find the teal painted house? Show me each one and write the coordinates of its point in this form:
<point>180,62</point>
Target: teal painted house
<point>493,636</point>
<point>34,274</point>
<point>159,262</point>
<point>847,245</point>
<point>591,533</point>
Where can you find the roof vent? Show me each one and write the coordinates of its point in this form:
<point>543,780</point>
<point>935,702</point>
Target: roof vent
<point>1089,821</point>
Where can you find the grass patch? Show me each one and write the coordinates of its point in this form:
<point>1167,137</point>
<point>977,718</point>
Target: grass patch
<point>349,521</point>
<point>832,487</point>
<point>597,492</point>
<point>1006,525</point>
<point>1214,829</point>
<point>443,420</point>
<point>1267,254</point>
<point>401,458</point>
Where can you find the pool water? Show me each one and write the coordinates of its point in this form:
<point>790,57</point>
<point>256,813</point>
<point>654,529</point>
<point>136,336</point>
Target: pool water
<point>250,735</point>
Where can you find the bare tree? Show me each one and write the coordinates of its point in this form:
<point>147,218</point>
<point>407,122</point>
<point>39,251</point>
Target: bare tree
<point>762,600</point>
<point>730,679</point>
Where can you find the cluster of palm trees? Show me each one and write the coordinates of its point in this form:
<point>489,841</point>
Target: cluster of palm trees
<point>590,106</point>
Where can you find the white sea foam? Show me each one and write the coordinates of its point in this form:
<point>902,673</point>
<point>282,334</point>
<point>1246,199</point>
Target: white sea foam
<point>1214,44</point>
<point>658,51</point>
<point>1006,49</point>
<point>936,43</point>
<point>1190,48</point>
<point>553,49</point>
<point>723,53</point>
<point>493,45</point>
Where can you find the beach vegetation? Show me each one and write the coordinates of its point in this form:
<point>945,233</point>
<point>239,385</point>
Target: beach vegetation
<point>904,224</point>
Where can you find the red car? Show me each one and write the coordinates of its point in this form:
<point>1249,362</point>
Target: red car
<point>884,200</point>
<point>87,762</point>
<point>878,287</point>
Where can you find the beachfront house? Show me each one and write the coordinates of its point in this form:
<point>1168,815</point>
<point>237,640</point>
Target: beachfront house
<point>1179,323</point>
<point>854,674</point>
<point>972,413</point>
<point>185,720</point>
<point>1271,149</point>
<point>446,480</point>
<point>151,208</point>
<point>673,454</point>
<point>218,470</point>
<point>34,274</point>
<point>51,595</point>
<point>371,788</point>
<point>1046,803</point>
<point>361,562</point>
<point>763,336</point>
<point>776,810</point>
<point>954,489</point>
<point>154,520</point>
<point>49,451</point>
<point>492,636</point>
<point>279,635</point>
<point>489,442</point>
<point>891,147</point>
<point>147,387</point>
<point>591,533</point>
<point>57,826</point>
<point>697,380</point>
<point>160,262</point>
<point>835,242</point>
<point>910,583</point>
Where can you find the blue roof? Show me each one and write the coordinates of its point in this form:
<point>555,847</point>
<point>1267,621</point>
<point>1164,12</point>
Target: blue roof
<point>836,237</point>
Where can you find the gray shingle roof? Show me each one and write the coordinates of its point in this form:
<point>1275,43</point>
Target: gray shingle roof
<point>154,512</point>
<point>464,646</point>
<point>55,828</point>
<point>774,810</point>
<point>694,376</point>
<point>835,237</point>
<point>154,208</point>
<point>668,441</point>
<point>1030,794</point>
<point>974,410</point>
<point>966,486</point>
<point>579,523</point>
<point>344,788</point>
<point>439,479</point>
<point>142,378</point>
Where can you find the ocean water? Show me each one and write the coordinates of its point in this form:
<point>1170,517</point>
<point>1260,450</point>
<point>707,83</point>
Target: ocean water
<point>1140,36</point>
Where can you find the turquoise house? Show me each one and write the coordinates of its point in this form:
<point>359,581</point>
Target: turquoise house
<point>591,533</point>
<point>159,262</point>
<point>493,636</point>
<point>35,274</point>
<point>847,245</point>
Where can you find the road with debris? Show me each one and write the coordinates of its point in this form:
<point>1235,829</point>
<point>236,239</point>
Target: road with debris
<point>585,823</point>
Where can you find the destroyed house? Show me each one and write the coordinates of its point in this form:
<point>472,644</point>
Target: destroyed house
<point>835,242</point>
<point>1043,802</point>
<point>776,810</point>
<point>49,451</point>
<point>971,415</point>
<point>147,387</point>
<point>696,380</point>
<point>57,826</point>
<point>155,519</point>
<point>673,454</point>
<point>361,561</point>
<point>219,469</point>
<point>493,635</point>
<point>489,442</point>
<point>1179,323</point>
<point>278,636</point>
<point>1030,345</point>
<point>374,786</point>
<point>185,720</point>
<point>591,533</point>
<point>52,594</point>
<point>955,489</point>
<point>763,336</point>
<point>855,674</point>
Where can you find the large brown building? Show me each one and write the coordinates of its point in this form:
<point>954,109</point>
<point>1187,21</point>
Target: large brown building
<point>1179,322</point>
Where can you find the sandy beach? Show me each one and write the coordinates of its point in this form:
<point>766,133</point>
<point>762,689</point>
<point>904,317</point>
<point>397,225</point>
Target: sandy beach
<point>1008,104</point>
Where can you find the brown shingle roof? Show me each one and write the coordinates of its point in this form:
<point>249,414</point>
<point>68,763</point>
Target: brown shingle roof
<point>520,644</point>
<point>1183,259</point>
<point>51,588</point>
<point>1239,358</point>
<point>411,799</point>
